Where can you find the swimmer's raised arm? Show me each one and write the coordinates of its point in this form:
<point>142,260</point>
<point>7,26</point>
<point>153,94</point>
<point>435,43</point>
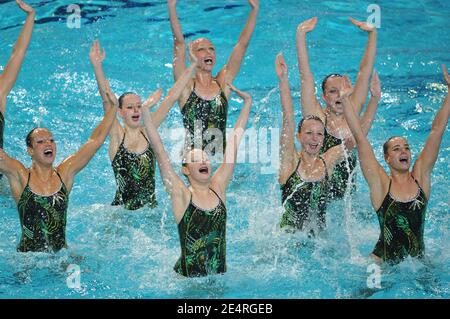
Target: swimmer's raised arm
<point>373,172</point>
<point>425,162</point>
<point>12,68</point>
<point>97,56</point>
<point>225,171</point>
<point>231,69</point>
<point>308,100</point>
<point>359,95</point>
<point>174,93</point>
<point>369,114</point>
<point>76,162</point>
<point>179,46</point>
<point>287,144</point>
<point>175,187</point>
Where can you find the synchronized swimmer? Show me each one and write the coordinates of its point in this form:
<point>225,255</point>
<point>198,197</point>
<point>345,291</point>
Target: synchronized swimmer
<point>309,178</point>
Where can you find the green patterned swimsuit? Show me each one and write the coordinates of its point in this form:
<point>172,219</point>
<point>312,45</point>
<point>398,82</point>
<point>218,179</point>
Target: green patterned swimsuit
<point>199,115</point>
<point>135,177</point>
<point>202,240</point>
<point>2,127</point>
<point>43,219</point>
<point>304,202</point>
<point>341,173</point>
<point>401,227</point>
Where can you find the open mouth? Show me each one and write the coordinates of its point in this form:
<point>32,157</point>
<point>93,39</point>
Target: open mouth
<point>204,170</point>
<point>314,147</point>
<point>208,61</point>
<point>135,118</point>
<point>48,153</point>
<point>338,103</point>
<point>404,159</point>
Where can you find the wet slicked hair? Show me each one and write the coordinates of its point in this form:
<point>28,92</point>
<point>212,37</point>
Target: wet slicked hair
<point>332,75</point>
<point>123,96</point>
<point>386,144</point>
<point>309,117</point>
<point>28,138</point>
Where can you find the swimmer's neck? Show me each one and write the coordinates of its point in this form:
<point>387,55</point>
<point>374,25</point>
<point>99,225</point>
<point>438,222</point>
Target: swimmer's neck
<point>401,177</point>
<point>201,189</point>
<point>308,159</point>
<point>204,78</point>
<point>334,117</point>
<point>42,172</point>
<point>133,132</point>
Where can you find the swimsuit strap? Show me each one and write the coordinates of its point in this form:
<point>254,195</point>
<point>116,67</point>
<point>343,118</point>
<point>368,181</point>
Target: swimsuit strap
<point>145,137</point>
<point>29,175</point>
<point>59,177</point>
<point>298,164</point>
<point>326,169</point>
<point>389,188</point>
<point>416,181</point>
<point>123,138</point>
<point>220,200</point>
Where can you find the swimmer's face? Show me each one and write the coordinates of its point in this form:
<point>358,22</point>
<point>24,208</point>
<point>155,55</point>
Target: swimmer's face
<point>131,110</point>
<point>197,166</point>
<point>398,154</point>
<point>311,136</point>
<point>205,52</point>
<point>331,95</point>
<point>43,147</point>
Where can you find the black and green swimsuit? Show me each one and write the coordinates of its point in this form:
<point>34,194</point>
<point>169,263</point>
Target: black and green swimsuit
<point>135,177</point>
<point>43,219</point>
<point>202,240</point>
<point>401,227</point>
<point>199,115</point>
<point>341,173</point>
<point>304,202</point>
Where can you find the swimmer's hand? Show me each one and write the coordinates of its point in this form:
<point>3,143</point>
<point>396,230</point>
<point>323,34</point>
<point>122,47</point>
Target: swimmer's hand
<point>192,58</point>
<point>306,26</point>
<point>96,54</point>
<point>446,76</point>
<point>254,4</point>
<point>280,66</point>
<point>346,89</point>
<point>171,3</point>
<point>244,95</point>
<point>375,85</point>
<point>152,99</point>
<point>25,7</point>
<point>363,25</point>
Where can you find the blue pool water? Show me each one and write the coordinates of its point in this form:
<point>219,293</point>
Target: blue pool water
<point>125,254</point>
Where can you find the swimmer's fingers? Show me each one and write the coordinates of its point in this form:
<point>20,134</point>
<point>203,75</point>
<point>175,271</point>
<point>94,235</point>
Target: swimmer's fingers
<point>346,87</point>
<point>375,85</point>
<point>171,2</point>
<point>96,54</point>
<point>25,7</point>
<point>243,95</point>
<point>362,25</point>
<point>281,66</point>
<point>307,25</point>
<point>446,76</point>
<point>192,57</point>
<point>254,4</point>
<point>153,98</point>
